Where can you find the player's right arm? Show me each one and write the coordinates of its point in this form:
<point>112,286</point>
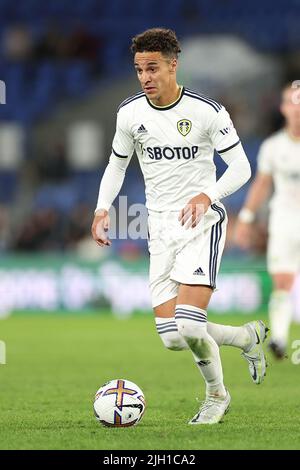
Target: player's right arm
<point>113,177</point>
<point>258,193</point>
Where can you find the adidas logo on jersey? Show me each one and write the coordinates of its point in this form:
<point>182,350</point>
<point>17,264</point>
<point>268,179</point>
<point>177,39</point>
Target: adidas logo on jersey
<point>199,272</point>
<point>142,129</point>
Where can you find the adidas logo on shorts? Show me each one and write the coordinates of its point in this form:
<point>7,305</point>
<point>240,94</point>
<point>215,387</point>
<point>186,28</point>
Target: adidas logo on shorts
<point>199,272</point>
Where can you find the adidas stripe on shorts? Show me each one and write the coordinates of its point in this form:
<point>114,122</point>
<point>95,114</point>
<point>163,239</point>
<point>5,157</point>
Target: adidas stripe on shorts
<point>184,256</point>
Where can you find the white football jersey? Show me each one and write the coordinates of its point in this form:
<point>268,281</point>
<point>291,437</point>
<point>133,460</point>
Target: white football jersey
<point>175,145</point>
<point>279,156</point>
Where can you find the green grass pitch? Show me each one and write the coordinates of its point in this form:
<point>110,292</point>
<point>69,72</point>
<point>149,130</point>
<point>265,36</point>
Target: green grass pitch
<point>56,363</point>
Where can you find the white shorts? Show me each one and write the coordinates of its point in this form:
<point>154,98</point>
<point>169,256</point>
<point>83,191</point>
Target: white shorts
<point>283,253</point>
<point>184,256</point>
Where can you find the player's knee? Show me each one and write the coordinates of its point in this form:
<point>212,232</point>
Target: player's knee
<point>191,330</point>
<point>173,341</point>
<point>284,285</point>
<point>195,336</point>
<point>283,282</point>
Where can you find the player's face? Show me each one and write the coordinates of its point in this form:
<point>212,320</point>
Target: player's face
<point>156,73</point>
<point>290,106</point>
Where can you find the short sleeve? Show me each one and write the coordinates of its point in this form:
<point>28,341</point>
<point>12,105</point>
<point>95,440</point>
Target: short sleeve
<point>222,131</point>
<point>123,142</point>
<point>265,159</point>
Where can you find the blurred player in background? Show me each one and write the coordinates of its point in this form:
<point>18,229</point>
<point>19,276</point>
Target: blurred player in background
<point>278,166</point>
<point>174,132</point>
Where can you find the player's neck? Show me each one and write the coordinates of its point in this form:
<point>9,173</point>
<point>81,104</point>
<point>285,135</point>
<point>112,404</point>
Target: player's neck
<point>168,98</point>
<point>293,132</point>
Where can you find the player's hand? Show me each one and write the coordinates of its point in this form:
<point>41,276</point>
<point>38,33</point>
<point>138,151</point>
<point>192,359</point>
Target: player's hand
<point>100,227</point>
<point>195,209</point>
<point>242,235</point>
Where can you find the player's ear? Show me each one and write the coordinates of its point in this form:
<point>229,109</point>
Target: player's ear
<point>173,64</point>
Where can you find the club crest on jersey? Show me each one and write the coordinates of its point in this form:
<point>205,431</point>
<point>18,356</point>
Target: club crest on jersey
<point>184,126</point>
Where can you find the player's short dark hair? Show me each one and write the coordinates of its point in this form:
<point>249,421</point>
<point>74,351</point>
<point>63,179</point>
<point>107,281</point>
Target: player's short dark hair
<point>157,40</point>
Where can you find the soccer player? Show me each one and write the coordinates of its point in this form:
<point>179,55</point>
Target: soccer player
<point>174,132</point>
<point>278,165</point>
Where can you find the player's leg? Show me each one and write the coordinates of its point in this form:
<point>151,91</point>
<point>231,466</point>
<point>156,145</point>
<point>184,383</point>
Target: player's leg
<point>248,337</point>
<point>280,312</point>
<point>164,290</point>
<point>167,328</point>
<point>226,335</point>
<point>282,262</point>
<point>217,400</point>
<point>241,337</point>
<point>191,320</point>
<point>198,264</point>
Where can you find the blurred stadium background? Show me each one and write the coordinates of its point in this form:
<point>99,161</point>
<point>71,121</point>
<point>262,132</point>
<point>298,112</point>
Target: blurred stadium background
<point>66,66</point>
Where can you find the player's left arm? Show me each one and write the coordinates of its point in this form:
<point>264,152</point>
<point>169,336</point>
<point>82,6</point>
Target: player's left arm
<point>228,145</point>
<point>226,142</point>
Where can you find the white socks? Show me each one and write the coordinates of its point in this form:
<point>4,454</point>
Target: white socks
<point>167,330</point>
<point>280,314</point>
<point>192,326</point>
<point>190,330</point>
<point>238,336</point>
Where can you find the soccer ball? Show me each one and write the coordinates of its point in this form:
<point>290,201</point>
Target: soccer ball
<point>119,403</point>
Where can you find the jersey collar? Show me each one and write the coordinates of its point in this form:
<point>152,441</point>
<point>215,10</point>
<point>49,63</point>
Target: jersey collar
<point>169,106</point>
